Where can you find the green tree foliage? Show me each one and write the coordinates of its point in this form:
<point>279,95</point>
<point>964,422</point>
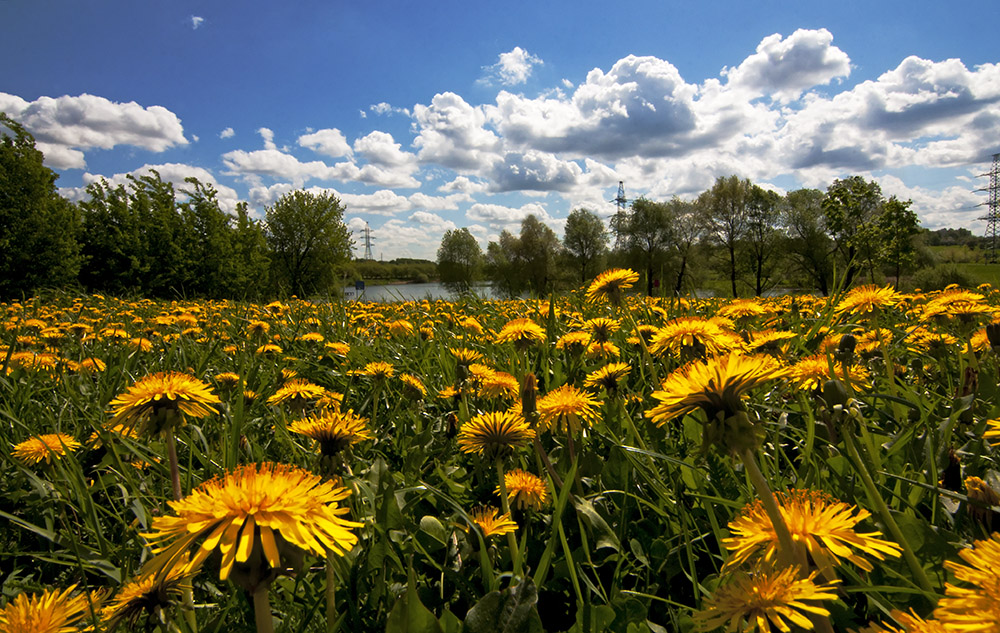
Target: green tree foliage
<point>644,235</point>
<point>308,242</point>
<point>459,260</point>
<point>138,238</point>
<point>763,239</point>
<point>38,228</point>
<point>809,247</point>
<point>688,230</point>
<point>536,253</point>
<point>585,243</point>
<point>898,225</point>
<point>526,263</point>
<point>851,209</point>
<point>726,208</point>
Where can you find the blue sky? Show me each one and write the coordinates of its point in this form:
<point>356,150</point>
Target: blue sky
<point>427,116</point>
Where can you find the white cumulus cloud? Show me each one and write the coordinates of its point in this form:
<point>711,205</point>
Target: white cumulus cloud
<point>66,127</point>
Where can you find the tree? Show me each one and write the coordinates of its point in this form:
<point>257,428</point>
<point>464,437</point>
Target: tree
<point>897,226</point>
<point>135,239</point>
<point>688,230</point>
<point>501,265</point>
<point>809,247</point>
<point>308,242</point>
<point>585,242</point>
<point>726,208</point>
<point>38,228</point>
<point>536,251</point>
<point>250,254</point>
<point>643,234</point>
<point>523,263</point>
<point>762,238</point>
<point>459,260</point>
<point>851,210</point>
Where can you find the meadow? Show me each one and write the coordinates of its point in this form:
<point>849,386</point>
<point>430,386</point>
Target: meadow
<point>595,461</point>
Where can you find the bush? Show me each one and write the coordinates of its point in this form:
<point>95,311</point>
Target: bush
<point>941,276</point>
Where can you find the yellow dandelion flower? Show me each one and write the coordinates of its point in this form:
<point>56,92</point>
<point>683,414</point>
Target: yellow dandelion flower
<point>817,521</point>
<point>227,379</point>
<point>498,384</point>
<point>313,338</point>
<point>147,596</point>
<point>465,356</point>
<point>258,329</point>
<point>992,432</point>
<point>715,386</point>
<point>92,365</point>
<point>45,447</point>
<point>337,349</point>
<point>491,522</point>
<point>400,327</point>
<point>573,342</point>
<point>296,392</point>
<point>567,409</point>
<point>868,299</point>
<point>601,329</point>
<point>522,332</point>
<point>762,599</point>
<point>52,611</point>
<point>266,506</point>
<point>607,377</point>
<point>975,608</point>
<point>693,335</point>
<point>911,624</point>
<point>379,370</point>
<point>333,430</point>
<point>525,490</point>
<point>413,387</point>
<point>494,434</point>
<point>154,402</point>
<point>742,308</point>
<point>813,371</point>
<point>473,325</point>
<point>611,285</point>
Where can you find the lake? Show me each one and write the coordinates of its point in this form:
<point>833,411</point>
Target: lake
<point>409,292</point>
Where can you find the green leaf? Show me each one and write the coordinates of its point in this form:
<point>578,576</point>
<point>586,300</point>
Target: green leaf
<point>605,536</point>
<point>409,615</point>
<point>432,534</point>
<point>513,610</point>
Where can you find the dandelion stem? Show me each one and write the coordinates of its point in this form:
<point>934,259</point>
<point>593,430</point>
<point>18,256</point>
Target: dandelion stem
<point>787,552</point>
<point>175,471</point>
<point>515,552</point>
<point>890,523</point>
<point>262,609</point>
<point>331,595</point>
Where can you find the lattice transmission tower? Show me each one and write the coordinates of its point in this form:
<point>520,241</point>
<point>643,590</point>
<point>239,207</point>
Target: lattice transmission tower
<point>992,203</point>
<point>368,242</point>
<point>620,204</point>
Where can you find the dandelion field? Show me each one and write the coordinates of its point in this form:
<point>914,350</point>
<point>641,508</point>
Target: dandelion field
<point>597,461</point>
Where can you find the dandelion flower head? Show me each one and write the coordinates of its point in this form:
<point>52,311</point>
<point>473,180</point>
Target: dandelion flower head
<point>45,447</point>
<point>254,506</point>
<point>762,599</point>
<point>824,526</point>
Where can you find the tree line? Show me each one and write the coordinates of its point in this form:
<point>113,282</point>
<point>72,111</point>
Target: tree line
<point>149,238</point>
<point>736,237</point>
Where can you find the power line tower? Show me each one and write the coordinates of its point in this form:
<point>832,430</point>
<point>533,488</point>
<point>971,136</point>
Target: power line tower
<point>992,205</point>
<point>620,203</point>
<point>368,242</point>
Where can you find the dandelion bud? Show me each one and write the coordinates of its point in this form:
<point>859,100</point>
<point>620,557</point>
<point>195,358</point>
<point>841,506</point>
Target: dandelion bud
<point>845,349</point>
<point>529,398</point>
<point>993,336</point>
<point>835,393</point>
